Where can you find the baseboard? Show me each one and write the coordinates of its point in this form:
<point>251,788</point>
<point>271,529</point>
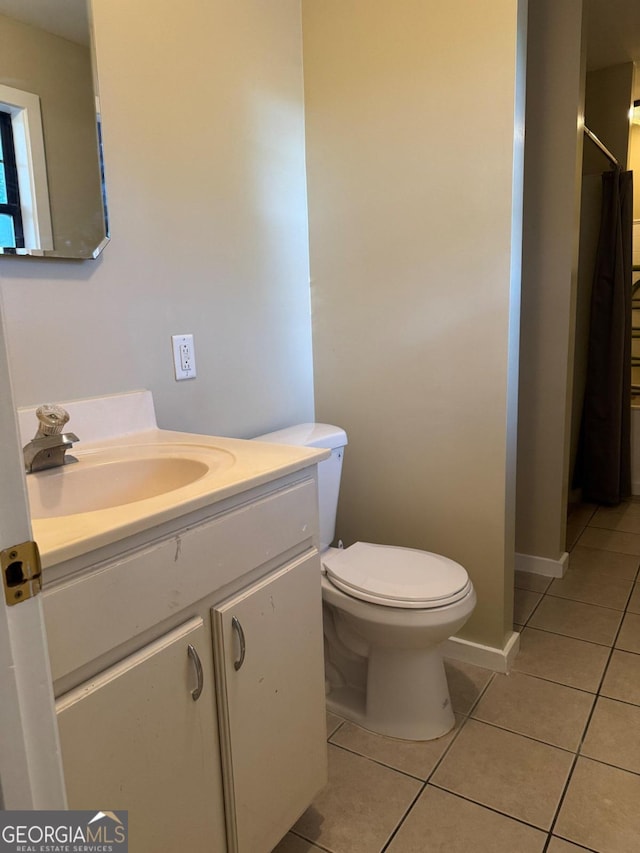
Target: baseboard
<point>499,660</point>
<point>542,565</point>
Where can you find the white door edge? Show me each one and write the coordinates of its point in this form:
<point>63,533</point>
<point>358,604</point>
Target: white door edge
<point>31,775</point>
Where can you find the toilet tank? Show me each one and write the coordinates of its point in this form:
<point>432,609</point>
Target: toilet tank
<point>329,471</point>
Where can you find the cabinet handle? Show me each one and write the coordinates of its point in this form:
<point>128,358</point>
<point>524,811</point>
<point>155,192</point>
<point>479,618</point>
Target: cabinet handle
<point>235,623</point>
<point>193,655</point>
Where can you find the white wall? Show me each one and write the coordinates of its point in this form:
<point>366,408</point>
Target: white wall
<point>59,72</point>
<point>411,109</point>
<point>553,158</point>
<point>608,98</point>
<point>202,104</point>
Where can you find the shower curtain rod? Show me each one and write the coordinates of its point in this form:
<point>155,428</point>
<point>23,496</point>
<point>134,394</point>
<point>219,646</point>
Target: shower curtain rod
<point>600,145</point>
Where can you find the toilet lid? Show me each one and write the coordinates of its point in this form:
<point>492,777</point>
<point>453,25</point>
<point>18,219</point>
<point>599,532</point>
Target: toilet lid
<point>396,577</point>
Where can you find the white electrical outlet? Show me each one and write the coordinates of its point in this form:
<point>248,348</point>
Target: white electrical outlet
<point>184,356</point>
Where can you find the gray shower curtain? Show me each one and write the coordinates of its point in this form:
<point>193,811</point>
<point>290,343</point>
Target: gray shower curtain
<point>604,457</point>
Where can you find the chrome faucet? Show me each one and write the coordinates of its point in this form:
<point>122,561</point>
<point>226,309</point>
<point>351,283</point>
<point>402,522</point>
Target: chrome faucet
<point>49,445</point>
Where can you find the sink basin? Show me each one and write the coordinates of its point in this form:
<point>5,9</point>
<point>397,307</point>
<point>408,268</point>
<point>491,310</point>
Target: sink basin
<point>116,476</point>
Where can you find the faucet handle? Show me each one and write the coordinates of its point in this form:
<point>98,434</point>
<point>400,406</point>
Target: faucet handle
<point>52,419</point>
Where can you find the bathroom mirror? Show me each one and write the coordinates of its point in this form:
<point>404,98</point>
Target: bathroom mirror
<point>52,190</point>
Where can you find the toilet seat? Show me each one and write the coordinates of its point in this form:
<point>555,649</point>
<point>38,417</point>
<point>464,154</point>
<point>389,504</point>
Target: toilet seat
<point>396,577</point>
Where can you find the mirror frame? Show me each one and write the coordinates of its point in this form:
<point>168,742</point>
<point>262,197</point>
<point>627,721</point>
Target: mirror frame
<point>77,29</point>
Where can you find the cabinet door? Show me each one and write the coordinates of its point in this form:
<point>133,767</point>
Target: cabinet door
<point>134,738</point>
<point>271,703</point>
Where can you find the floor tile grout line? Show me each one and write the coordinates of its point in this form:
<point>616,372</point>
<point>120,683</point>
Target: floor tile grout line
<point>429,782</point>
<point>616,511</point>
<point>590,526</point>
<point>466,718</point>
<point>578,639</point>
<point>474,704</point>
<point>531,737</point>
<point>583,527</point>
<point>571,636</point>
<point>550,680</point>
<point>577,538</point>
<point>609,764</point>
<point>626,651</point>
<point>535,607</point>
<point>595,571</point>
<point>426,782</point>
<point>608,550</point>
<point>587,603</point>
<point>422,785</point>
<point>525,589</point>
<point>590,603</point>
<point>569,841</point>
<point>586,573</point>
<point>337,728</point>
<point>379,762</point>
<point>620,701</point>
<point>613,530</point>
<point>489,808</point>
<point>311,841</point>
<point>613,647</point>
<point>568,782</point>
<point>558,809</point>
<point>602,553</point>
<point>398,826</point>
<point>578,753</point>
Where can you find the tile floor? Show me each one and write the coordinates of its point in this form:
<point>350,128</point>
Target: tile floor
<point>544,760</point>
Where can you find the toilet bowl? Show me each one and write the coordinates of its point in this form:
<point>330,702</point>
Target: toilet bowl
<point>384,666</point>
<point>386,610</point>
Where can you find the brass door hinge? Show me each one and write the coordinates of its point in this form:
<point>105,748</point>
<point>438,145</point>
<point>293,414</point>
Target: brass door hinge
<point>21,572</point>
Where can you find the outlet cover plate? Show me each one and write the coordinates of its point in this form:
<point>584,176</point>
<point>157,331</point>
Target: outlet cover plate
<point>184,357</point>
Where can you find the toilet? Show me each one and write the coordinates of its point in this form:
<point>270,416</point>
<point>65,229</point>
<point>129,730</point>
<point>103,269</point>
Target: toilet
<point>386,610</point>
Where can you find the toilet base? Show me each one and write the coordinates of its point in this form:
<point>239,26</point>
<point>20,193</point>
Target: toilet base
<point>348,702</point>
<point>407,695</point>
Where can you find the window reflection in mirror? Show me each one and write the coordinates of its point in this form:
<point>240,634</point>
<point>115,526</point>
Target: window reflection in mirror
<point>52,194</point>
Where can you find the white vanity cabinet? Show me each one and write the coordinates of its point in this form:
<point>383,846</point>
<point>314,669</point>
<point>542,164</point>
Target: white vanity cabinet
<point>134,738</point>
<point>271,703</point>
<point>233,770</point>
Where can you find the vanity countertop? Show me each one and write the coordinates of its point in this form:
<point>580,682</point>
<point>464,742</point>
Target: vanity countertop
<point>251,464</point>
<point>132,476</point>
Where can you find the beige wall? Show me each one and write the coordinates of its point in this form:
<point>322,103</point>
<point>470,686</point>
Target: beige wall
<point>202,104</point>
<point>410,111</point>
<point>59,72</point>
<point>634,154</point>
<point>608,97</point>
<point>634,164</point>
<point>553,151</point>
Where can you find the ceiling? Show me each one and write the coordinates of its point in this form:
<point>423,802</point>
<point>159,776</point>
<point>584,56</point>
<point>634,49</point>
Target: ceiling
<point>66,18</point>
<point>613,26</point>
<point>613,33</point>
